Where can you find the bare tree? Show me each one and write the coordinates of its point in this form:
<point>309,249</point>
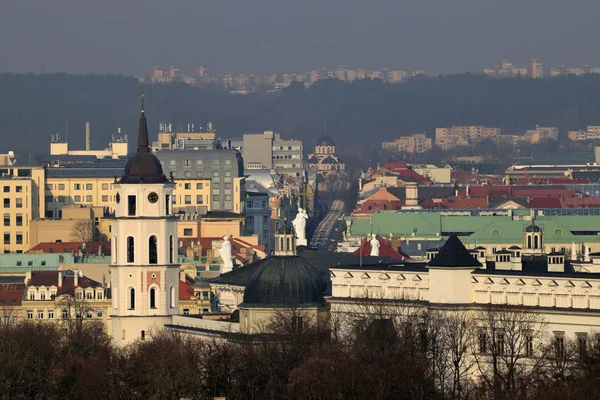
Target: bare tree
<point>83,231</point>
<point>509,350</point>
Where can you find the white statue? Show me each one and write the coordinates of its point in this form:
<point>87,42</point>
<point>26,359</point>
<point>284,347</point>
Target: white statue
<point>225,252</point>
<point>300,227</point>
<point>374,246</point>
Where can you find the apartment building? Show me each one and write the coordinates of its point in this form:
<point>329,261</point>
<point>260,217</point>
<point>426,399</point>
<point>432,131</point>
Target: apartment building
<point>447,138</point>
<point>415,143</point>
<point>268,148</point>
<point>562,70</point>
<point>535,69</point>
<point>19,207</point>
<point>591,133</point>
<point>258,213</point>
<point>541,133</point>
<point>505,69</point>
<point>89,185</point>
<point>207,180</point>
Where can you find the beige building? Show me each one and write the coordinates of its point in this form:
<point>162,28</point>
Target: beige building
<point>117,148</point>
<point>65,297</point>
<point>415,143</point>
<point>448,138</point>
<point>77,224</point>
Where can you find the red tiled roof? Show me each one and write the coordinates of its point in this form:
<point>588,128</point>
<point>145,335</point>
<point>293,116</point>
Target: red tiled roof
<point>384,250</point>
<point>50,278</point>
<point>545,202</point>
<point>70,247</point>
<point>11,297</point>
<point>186,292</point>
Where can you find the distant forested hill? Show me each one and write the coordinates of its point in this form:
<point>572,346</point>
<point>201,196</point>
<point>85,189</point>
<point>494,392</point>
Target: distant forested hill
<point>363,113</point>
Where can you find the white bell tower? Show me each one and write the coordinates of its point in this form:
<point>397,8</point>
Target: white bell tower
<point>144,269</point>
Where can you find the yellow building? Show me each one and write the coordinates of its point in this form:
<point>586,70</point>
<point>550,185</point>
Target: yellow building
<point>447,138</point>
<point>20,204</point>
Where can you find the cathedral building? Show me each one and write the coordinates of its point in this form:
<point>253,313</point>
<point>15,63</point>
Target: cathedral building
<point>144,269</point>
<point>330,169</point>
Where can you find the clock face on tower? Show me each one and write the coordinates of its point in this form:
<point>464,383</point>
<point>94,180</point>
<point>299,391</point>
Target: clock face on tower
<point>153,197</point>
<point>118,198</point>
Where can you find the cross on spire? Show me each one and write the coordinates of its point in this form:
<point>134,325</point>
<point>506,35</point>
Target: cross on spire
<point>143,130</point>
<point>142,95</point>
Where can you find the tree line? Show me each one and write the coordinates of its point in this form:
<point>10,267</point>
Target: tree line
<point>366,352</point>
<point>33,107</point>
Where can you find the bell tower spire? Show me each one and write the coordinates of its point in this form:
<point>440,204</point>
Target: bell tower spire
<point>143,145</point>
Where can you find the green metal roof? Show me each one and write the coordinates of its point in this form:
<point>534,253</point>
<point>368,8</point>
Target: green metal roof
<point>38,262</point>
<point>480,229</point>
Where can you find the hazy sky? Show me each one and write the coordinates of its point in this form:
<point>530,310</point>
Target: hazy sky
<point>236,36</point>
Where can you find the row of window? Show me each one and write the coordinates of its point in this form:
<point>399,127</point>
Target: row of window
<point>215,185</point>
<point>288,157</point>
<point>18,189</point>
<point>75,199</point>
<point>293,148</point>
<point>78,186</point>
<point>18,203</point>
<point>65,314</point>
<point>18,238</point>
<point>199,162</point>
<point>256,204</point>
<point>152,249</point>
<point>18,219</point>
<point>152,298</point>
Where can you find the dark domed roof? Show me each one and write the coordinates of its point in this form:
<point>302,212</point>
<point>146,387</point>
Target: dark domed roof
<point>533,228</point>
<point>324,141</point>
<point>143,167</point>
<point>284,281</point>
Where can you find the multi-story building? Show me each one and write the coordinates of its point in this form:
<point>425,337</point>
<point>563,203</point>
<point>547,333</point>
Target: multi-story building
<point>258,213</point>
<point>206,180</point>
<point>87,184</point>
<point>268,148</point>
<point>535,69</point>
<point>202,73</point>
<point>66,297</point>
<point>562,70</point>
<point>117,148</point>
<point>591,133</point>
<point>188,140</point>
<point>505,69</point>
<point>414,143</point>
<point>20,205</point>
<point>540,133</point>
<point>447,138</point>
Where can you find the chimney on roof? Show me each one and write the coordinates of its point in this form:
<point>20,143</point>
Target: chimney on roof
<point>87,136</point>
<point>182,276</point>
<point>76,278</point>
<point>27,277</point>
<point>60,278</point>
<point>468,193</point>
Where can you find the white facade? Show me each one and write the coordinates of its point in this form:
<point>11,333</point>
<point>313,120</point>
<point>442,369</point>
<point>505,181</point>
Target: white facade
<point>144,273</point>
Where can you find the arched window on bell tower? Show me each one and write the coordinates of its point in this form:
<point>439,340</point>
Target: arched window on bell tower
<point>285,241</point>
<point>172,297</point>
<point>152,298</point>
<point>152,250</point>
<point>130,249</point>
<point>171,250</point>
<point>131,299</point>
